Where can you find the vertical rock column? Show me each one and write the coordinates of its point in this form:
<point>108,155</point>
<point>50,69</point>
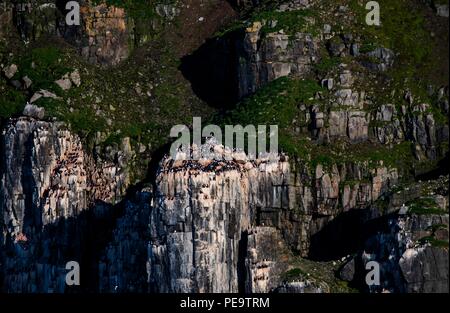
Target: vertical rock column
<point>198,223</point>
<point>204,211</point>
<point>44,176</point>
<point>48,183</point>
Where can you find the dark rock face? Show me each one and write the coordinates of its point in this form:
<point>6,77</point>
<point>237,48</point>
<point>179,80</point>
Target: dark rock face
<point>347,272</point>
<point>101,37</point>
<point>36,19</point>
<point>440,8</point>
<point>123,263</point>
<point>426,271</point>
<point>412,251</point>
<point>385,59</point>
<point>409,267</point>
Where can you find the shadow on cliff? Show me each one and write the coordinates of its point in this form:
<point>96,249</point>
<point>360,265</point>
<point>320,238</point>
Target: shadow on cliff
<point>82,238</point>
<point>32,214</point>
<point>442,168</point>
<point>346,234</point>
<point>212,71</point>
<point>241,266</point>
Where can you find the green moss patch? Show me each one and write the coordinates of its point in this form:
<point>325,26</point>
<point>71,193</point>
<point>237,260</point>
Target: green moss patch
<point>424,206</point>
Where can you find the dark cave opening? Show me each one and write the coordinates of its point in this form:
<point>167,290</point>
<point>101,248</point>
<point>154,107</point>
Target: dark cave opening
<point>212,72</point>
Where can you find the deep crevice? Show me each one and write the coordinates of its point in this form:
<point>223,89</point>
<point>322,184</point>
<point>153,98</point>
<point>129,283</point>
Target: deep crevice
<point>241,268</point>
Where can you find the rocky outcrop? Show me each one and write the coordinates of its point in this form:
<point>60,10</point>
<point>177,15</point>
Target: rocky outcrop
<point>102,36</point>
<point>379,59</point>
<point>35,19</point>
<point>266,261</point>
<point>416,123</point>
<point>321,194</point>
<point>107,36</point>
<point>47,175</point>
<point>406,265</point>
<point>412,251</point>
<point>298,287</point>
<point>263,59</point>
<point>425,270</point>
<point>346,116</point>
<point>48,181</point>
<point>440,7</point>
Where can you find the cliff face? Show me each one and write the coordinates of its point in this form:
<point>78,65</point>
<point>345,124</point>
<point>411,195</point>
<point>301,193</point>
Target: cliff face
<point>210,218</point>
<point>325,193</point>
<point>346,195</point>
<point>47,176</point>
<point>122,265</point>
<point>212,226</point>
<point>266,58</point>
<point>345,114</point>
<point>408,262</point>
<point>411,244</point>
<point>203,215</point>
<point>47,181</point>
